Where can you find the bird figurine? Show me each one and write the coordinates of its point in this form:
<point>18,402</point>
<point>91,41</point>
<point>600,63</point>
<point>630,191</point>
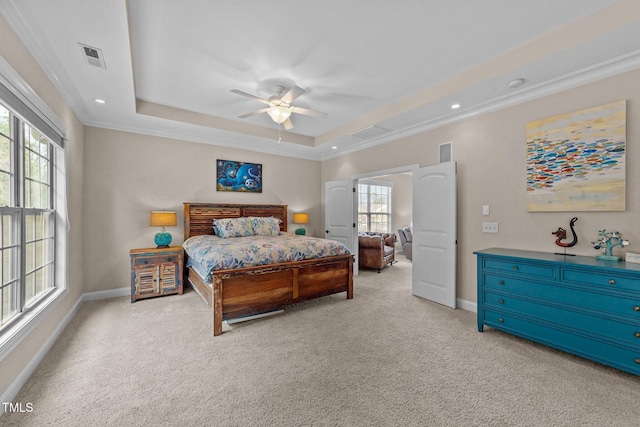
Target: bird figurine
<point>561,234</point>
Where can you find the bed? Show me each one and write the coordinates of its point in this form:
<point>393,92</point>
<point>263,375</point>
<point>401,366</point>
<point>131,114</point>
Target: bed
<point>252,289</point>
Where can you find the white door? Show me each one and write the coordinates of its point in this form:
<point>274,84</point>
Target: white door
<point>434,233</point>
<point>339,222</point>
<point>339,214</point>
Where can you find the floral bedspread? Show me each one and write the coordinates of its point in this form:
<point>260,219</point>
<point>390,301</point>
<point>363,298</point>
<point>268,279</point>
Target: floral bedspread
<point>207,253</point>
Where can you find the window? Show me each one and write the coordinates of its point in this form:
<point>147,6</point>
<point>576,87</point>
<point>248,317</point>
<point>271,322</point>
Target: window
<point>27,226</point>
<point>374,207</point>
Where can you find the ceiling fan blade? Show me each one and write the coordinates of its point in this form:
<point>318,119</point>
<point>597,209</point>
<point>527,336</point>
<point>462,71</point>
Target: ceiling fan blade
<point>293,93</point>
<point>248,95</point>
<point>307,112</point>
<point>288,124</point>
<point>255,113</point>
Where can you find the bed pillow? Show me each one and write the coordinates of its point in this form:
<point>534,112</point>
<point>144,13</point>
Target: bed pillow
<point>266,226</point>
<point>232,227</point>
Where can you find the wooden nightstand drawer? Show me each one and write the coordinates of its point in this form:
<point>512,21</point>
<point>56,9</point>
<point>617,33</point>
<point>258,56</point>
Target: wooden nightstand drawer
<point>156,272</point>
<point>143,260</point>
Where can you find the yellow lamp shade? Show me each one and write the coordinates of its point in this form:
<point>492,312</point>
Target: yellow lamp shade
<point>301,218</point>
<point>162,219</point>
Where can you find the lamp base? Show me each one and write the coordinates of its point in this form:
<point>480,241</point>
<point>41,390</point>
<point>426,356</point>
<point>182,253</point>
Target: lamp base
<point>163,239</point>
<point>301,231</point>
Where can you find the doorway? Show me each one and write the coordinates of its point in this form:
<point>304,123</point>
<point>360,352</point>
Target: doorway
<point>385,205</point>
<point>434,229</point>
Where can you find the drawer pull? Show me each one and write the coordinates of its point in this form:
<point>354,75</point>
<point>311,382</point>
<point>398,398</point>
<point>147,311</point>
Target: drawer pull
<point>612,282</point>
<point>637,335</point>
<point>501,301</point>
<point>501,282</point>
<point>636,308</point>
<point>501,320</point>
<point>515,267</point>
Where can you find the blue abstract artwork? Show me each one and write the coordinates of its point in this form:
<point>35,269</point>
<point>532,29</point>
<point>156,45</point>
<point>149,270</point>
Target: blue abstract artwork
<point>576,161</point>
<point>238,176</point>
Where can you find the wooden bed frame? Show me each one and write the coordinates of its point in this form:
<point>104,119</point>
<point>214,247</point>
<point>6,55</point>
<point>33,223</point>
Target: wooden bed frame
<point>245,291</point>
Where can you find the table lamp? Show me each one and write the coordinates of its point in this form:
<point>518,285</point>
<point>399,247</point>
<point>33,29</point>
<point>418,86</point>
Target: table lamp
<point>301,218</point>
<point>162,219</point>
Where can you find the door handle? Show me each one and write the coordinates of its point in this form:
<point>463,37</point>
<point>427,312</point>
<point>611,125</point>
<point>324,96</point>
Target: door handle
<point>326,231</point>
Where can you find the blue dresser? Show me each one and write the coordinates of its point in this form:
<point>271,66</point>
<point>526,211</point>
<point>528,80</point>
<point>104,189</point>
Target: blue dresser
<point>577,304</point>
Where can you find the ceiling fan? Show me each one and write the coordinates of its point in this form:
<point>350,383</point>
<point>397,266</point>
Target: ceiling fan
<point>279,106</point>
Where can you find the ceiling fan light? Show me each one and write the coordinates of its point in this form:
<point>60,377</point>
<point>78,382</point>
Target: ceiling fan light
<point>279,114</point>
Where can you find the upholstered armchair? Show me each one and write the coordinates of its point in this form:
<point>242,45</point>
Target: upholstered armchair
<point>406,240</point>
<point>376,250</point>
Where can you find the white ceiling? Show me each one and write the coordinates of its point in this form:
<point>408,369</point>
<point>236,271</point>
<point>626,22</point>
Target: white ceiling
<point>171,65</point>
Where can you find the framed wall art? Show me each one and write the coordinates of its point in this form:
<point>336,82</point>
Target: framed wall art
<point>576,161</point>
<point>232,175</point>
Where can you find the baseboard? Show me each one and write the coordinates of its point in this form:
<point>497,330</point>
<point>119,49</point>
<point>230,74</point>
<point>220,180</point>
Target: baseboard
<point>111,293</point>
<point>10,393</point>
<point>467,305</point>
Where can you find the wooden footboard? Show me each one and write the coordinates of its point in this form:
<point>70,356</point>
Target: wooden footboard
<point>251,290</point>
<point>245,291</point>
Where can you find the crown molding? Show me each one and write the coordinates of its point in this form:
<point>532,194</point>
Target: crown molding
<point>578,78</point>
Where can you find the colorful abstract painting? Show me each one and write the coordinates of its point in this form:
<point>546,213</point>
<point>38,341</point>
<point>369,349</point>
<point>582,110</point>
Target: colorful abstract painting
<point>576,161</point>
<point>238,176</point>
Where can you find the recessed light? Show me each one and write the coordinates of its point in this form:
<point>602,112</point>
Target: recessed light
<point>100,101</point>
<point>334,148</point>
<point>455,106</point>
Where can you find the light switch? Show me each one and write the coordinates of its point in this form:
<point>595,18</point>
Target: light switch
<point>485,209</point>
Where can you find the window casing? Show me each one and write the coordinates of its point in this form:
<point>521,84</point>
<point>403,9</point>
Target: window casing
<point>374,207</point>
<point>27,217</point>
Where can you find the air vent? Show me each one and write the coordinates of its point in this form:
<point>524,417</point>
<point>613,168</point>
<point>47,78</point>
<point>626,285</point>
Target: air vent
<point>445,152</point>
<point>370,132</point>
<point>93,55</point>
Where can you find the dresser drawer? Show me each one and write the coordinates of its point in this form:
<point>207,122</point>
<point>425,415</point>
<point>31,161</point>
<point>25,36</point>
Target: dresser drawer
<point>611,329</point>
<point>602,302</point>
<point>620,357</point>
<point>521,268</point>
<point>155,259</point>
<point>608,281</point>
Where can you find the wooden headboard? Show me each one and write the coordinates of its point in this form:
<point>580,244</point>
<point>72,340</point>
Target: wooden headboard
<point>198,217</point>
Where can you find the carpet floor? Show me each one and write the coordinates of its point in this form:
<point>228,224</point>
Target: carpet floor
<point>385,358</point>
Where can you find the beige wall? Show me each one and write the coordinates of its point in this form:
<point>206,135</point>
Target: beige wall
<point>490,152</point>
<point>14,52</point>
<point>128,175</point>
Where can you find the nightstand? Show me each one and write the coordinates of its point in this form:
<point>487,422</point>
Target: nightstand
<point>156,272</point>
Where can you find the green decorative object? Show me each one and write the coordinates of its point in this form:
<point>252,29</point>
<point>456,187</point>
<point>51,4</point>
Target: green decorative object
<point>301,231</point>
<point>607,241</point>
<point>163,239</point>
